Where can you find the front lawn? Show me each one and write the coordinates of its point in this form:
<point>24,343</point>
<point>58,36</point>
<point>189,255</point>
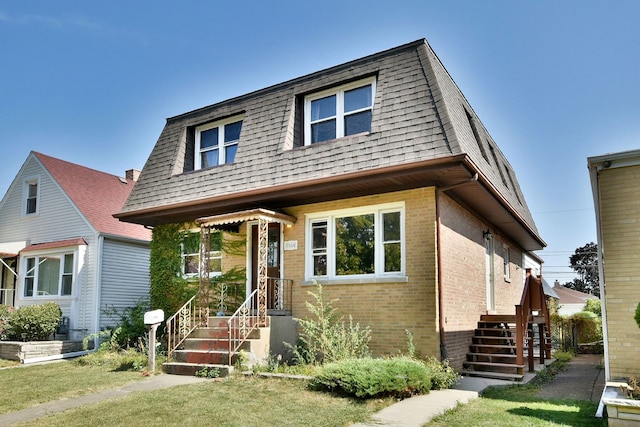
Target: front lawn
<point>25,386</point>
<point>235,401</point>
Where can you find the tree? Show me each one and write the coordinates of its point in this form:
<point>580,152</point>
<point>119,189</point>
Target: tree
<point>585,262</point>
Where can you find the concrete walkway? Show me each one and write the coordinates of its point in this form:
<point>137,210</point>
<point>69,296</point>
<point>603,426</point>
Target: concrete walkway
<point>581,380</point>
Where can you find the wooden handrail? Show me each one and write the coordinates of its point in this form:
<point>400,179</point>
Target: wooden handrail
<point>533,306</point>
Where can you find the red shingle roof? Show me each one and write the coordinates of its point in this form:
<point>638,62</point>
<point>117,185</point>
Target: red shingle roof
<point>571,296</point>
<point>52,245</point>
<point>98,195</point>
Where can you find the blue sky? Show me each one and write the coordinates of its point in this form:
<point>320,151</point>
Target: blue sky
<point>553,81</point>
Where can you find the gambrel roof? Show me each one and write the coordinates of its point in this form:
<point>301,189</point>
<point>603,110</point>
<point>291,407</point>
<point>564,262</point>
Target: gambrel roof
<point>423,133</point>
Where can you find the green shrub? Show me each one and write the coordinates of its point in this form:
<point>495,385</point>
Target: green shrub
<point>38,322</point>
<point>325,337</point>
<point>594,306</point>
<point>5,321</point>
<point>442,375</point>
<point>637,315</point>
<point>364,378</point>
<point>130,330</point>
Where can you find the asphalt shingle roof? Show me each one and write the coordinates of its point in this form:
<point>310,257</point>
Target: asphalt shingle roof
<point>419,115</point>
<point>97,195</point>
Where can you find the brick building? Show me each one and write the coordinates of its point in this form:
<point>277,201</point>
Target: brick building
<point>377,180</point>
<point>615,181</point>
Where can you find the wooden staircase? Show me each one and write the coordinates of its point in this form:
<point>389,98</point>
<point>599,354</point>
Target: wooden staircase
<point>208,348</point>
<point>492,353</point>
<point>502,345</point>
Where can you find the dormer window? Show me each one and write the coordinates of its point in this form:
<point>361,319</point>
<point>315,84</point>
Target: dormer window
<point>338,112</point>
<point>217,143</point>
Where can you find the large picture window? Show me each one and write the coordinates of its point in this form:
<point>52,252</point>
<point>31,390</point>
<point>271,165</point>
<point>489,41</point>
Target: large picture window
<point>50,275</point>
<point>217,143</point>
<point>191,254</point>
<point>338,112</point>
<point>353,243</point>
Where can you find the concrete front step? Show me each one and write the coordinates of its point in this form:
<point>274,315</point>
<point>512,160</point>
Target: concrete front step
<point>190,369</point>
<point>494,375</point>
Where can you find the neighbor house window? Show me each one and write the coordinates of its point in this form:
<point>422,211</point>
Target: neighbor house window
<point>358,242</point>
<point>217,143</point>
<point>191,254</point>
<point>31,191</point>
<point>337,112</point>
<point>50,275</point>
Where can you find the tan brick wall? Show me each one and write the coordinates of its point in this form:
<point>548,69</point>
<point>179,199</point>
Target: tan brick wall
<point>391,308</point>
<point>463,276</point>
<point>388,308</point>
<point>620,227</point>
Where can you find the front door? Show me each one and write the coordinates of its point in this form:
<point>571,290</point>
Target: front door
<point>273,260</point>
<point>491,282</point>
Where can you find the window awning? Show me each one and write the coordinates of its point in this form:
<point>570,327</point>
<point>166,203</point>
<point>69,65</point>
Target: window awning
<point>244,216</point>
<point>11,249</point>
<point>54,245</point>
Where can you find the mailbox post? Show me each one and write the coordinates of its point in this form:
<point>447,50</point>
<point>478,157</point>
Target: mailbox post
<point>153,319</point>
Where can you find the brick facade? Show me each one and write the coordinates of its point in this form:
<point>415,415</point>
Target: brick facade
<point>464,276</point>
<point>391,308</point>
<point>620,228</point>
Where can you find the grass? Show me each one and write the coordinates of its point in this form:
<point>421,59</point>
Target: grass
<point>236,401</point>
<point>517,406</point>
<point>25,386</point>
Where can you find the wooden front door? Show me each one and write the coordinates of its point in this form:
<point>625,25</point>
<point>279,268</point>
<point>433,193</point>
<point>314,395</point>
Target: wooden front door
<point>273,259</point>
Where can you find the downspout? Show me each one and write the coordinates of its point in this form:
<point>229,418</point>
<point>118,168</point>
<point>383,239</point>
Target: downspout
<point>98,289</point>
<point>443,344</point>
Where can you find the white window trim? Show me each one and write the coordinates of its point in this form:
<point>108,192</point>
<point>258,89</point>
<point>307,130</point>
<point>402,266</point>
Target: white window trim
<point>221,144</point>
<point>339,117</point>
<point>25,194</point>
<point>378,211</point>
<point>74,250</point>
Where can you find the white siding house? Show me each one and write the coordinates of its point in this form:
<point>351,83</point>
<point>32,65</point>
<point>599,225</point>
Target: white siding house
<point>60,242</point>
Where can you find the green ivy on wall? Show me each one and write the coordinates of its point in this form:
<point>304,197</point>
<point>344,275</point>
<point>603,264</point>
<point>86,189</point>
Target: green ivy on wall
<point>169,289</point>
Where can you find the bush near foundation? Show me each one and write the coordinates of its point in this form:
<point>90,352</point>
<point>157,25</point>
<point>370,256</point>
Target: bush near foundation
<point>400,376</point>
<point>37,322</point>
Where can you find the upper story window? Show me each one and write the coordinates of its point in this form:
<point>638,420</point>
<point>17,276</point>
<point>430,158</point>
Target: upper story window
<point>359,242</point>
<point>191,254</point>
<point>217,143</point>
<point>49,275</point>
<point>338,112</point>
<point>31,191</point>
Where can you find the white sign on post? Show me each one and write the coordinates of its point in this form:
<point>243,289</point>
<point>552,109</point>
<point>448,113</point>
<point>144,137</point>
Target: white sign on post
<point>153,319</point>
<point>155,316</point>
